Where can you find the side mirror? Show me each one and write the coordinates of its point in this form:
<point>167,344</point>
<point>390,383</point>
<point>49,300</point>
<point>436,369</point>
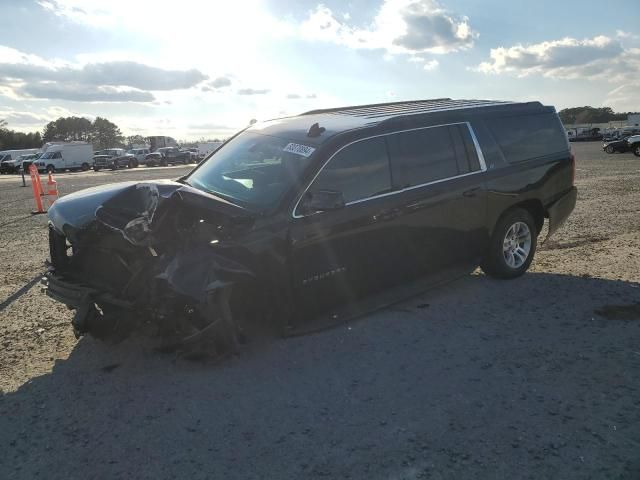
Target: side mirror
<point>322,200</point>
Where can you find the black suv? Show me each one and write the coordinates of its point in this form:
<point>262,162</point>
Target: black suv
<point>303,214</point>
<point>167,155</point>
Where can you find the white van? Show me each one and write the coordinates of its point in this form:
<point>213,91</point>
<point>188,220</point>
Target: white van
<point>11,160</point>
<point>66,156</point>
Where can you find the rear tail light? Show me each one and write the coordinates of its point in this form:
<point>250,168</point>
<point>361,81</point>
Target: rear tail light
<point>573,168</point>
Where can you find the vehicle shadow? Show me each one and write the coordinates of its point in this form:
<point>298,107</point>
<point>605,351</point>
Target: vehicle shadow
<point>476,379</point>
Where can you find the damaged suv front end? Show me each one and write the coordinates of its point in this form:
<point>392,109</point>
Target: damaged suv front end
<point>170,257</point>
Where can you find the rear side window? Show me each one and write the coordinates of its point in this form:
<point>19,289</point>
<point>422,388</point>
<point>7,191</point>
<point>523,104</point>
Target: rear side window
<point>431,154</point>
<point>526,137</point>
<point>359,171</point>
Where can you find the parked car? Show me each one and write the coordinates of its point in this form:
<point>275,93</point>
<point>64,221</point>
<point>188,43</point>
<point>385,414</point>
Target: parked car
<point>614,146</point>
<point>113,158</point>
<point>62,156</point>
<point>12,162</point>
<point>304,214</point>
<point>139,154</point>
<point>194,156</point>
<point>167,155</point>
<point>633,144</point>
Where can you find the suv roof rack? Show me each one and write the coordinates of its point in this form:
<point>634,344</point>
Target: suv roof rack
<point>393,109</point>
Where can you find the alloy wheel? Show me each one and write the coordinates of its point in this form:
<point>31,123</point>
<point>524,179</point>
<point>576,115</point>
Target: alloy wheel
<point>516,245</point>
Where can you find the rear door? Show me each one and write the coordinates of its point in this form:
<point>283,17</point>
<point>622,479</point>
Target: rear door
<point>439,218</point>
<point>338,255</point>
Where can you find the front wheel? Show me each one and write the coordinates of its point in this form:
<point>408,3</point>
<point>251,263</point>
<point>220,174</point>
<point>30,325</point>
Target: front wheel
<point>636,150</point>
<point>512,246</point>
<point>51,169</point>
<point>610,149</point>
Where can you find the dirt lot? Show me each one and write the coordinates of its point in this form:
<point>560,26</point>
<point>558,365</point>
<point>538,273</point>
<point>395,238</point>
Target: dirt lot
<point>533,378</point>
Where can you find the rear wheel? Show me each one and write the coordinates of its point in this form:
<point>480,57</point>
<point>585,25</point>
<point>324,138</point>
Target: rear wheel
<point>610,149</point>
<point>512,245</point>
<point>84,167</point>
<point>132,164</point>
<point>636,150</point>
<point>96,169</point>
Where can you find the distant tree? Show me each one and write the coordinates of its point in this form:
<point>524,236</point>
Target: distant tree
<point>67,129</point>
<point>12,140</point>
<point>132,140</point>
<point>590,115</point>
<point>105,134</point>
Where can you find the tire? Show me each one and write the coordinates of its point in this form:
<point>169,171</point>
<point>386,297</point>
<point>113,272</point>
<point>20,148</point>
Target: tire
<point>610,149</point>
<point>131,164</point>
<point>512,246</point>
<point>115,165</point>
<point>163,163</point>
<point>84,167</point>
<point>51,169</point>
<point>636,150</point>
<point>96,169</point>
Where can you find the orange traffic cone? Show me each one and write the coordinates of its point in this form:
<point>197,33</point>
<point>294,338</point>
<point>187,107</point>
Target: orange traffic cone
<point>37,189</point>
<point>52,190</point>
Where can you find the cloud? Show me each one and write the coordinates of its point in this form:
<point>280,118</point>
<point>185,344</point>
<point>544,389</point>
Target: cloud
<point>431,65</point>
<point>568,58</point>
<point>430,28</point>
<point>400,27</point>
<point>252,91</point>
<point>83,93</point>
<point>220,82</point>
<point>298,96</point>
<point>216,84</point>
<point>625,98</point>
<point>115,81</point>
<point>138,75</point>
<point>23,118</point>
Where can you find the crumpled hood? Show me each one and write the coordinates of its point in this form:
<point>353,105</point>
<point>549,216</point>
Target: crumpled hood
<point>130,207</point>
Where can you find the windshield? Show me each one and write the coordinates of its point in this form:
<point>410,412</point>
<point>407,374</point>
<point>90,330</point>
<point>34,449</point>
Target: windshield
<point>253,170</point>
<point>4,157</point>
<point>48,155</point>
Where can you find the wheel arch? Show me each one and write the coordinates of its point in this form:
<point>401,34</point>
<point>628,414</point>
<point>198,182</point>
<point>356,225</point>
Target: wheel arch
<point>534,206</point>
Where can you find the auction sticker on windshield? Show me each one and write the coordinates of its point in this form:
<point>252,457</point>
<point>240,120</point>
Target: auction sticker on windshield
<point>298,149</point>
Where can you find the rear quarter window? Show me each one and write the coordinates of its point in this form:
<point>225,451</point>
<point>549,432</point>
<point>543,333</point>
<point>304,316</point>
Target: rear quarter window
<point>525,137</point>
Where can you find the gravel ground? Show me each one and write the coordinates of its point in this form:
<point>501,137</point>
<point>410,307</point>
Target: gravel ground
<point>533,378</point>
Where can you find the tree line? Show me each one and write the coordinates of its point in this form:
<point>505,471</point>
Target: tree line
<point>12,140</point>
<point>590,115</point>
<point>102,133</point>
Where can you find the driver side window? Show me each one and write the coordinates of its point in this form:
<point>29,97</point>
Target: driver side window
<point>358,171</point>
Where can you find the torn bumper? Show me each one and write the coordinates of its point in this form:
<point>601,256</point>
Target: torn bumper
<point>560,210</point>
<point>82,299</point>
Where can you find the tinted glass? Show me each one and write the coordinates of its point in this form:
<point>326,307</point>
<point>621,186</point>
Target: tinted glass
<point>359,171</point>
<point>422,156</point>
<point>528,136</point>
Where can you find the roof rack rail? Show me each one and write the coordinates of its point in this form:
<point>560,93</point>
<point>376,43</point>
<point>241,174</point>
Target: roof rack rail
<point>395,109</point>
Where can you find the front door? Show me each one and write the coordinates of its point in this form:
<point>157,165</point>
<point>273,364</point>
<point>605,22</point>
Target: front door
<point>338,255</point>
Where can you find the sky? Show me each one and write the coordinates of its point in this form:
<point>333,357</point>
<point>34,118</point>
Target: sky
<point>203,69</point>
